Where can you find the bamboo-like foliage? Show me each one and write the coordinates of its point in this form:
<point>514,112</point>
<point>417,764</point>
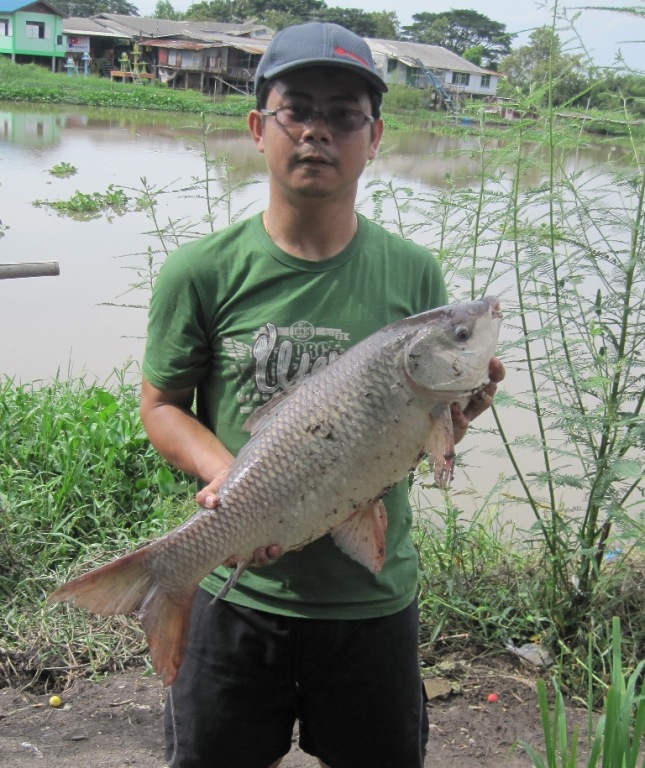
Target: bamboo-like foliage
<point>563,245</point>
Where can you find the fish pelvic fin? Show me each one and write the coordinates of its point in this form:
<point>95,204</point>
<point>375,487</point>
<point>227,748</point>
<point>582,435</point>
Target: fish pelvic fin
<point>362,536</point>
<point>127,585</point>
<point>241,566</point>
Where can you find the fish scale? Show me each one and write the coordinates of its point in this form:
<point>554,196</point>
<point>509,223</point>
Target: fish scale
<point>319,458</point>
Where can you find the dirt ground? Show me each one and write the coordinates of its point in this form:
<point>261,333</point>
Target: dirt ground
<point>118,722</point>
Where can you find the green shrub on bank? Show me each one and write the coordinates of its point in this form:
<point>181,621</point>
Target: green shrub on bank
<point>30,83</point>
<point>79,483</point>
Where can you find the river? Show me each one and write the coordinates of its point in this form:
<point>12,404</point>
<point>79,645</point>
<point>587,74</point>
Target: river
<point>90,321</point>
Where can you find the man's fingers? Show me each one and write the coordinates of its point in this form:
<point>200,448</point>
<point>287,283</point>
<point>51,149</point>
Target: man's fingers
<point>496,370</point>
<point>261,557</point>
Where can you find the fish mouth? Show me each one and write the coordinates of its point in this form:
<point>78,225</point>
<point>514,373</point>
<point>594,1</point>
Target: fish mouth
<point>455,395</point>
<point>494,306</point>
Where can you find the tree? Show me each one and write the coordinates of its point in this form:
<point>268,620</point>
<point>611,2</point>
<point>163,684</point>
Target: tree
<point>474,55</point>
<point>164,10</point>
<point>461,30</point>
<point>278,20</point>
<point>380,24</point>
<point>299,10</point>
<point>619,91</point>
<point>92,7</point>
<point>216,10</point>
<point>278,14</point>
<point>533,66</point>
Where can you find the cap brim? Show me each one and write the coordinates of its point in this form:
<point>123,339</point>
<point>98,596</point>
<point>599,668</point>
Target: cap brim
<point>372,78</point>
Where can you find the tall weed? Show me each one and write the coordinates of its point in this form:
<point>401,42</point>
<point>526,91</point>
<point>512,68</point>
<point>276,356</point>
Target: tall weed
<point>563,246</point>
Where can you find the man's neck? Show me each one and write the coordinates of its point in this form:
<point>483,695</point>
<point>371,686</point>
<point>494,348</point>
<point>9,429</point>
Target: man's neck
<point>310,234</point>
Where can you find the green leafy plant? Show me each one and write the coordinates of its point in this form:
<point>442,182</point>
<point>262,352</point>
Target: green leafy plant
<point>617,741</point>
<point>63,170</point>
<point>82,205</point>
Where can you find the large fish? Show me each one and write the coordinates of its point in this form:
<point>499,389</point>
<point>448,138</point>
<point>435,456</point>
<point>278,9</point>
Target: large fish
<point>319,459</point>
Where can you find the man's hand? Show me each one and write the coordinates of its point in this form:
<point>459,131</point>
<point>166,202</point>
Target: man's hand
<point>481,402</point>
<point>207,497</point>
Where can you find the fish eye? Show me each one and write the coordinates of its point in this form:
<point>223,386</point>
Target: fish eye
<point>462,333</point>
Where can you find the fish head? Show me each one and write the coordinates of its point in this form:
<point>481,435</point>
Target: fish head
<point>448,355</point>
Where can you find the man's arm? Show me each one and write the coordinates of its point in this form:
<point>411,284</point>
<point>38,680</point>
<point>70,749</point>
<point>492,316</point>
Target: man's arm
<point>180,438</point>
<point>188,445</point>
<point>480,403</point>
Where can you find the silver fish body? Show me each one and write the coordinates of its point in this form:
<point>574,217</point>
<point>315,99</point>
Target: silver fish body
<point>319,458</point>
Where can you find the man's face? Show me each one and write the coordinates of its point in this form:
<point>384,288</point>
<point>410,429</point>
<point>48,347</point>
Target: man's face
<point>314,158</point>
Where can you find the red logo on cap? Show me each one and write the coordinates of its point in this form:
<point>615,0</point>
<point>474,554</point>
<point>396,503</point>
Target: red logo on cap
<point>343,52</point>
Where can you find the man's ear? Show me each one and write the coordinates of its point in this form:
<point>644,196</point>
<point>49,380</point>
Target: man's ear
<point>376,133</point>
<point>255,122</point>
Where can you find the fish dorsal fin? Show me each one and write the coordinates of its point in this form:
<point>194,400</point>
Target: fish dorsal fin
<point>362,536</point>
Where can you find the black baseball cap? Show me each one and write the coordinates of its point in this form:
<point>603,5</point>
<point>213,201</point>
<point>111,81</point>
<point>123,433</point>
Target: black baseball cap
<point>317,44</point>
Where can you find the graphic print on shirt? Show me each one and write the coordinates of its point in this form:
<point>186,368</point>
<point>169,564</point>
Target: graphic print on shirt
<point>279,358</point>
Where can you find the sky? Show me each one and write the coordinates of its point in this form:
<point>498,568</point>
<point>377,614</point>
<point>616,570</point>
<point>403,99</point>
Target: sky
<point>603,32</point>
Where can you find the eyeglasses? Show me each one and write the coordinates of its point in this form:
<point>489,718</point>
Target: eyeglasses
<point>340,119</point>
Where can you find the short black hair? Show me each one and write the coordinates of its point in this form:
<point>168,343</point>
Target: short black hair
<point>373,95</point>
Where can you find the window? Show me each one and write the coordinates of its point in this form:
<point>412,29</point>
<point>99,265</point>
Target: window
<point>392,65</point>
<point>35,30</point>
<point>485,81</point>
<point>460,78</point>
<point>5,28</point>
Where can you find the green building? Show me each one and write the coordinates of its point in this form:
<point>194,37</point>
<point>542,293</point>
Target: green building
<point>31,32</point>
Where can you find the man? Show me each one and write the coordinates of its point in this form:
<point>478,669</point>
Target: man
<point>236,318</point>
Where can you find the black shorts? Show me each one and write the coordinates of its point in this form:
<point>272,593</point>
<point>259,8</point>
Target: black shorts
<point>247,676</point>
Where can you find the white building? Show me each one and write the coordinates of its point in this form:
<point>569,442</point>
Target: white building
<point>422,66</point>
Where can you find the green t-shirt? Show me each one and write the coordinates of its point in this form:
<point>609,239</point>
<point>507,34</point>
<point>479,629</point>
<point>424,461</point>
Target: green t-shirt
<point>241,320</point>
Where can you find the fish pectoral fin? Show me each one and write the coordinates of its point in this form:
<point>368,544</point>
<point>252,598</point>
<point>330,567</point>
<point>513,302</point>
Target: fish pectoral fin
<point>232,579</point>
<point>362,536</point>
<point>440,446</point>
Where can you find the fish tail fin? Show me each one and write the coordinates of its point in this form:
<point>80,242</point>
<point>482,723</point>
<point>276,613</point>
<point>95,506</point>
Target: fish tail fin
<point>128,585</point>
<point>165,619</point>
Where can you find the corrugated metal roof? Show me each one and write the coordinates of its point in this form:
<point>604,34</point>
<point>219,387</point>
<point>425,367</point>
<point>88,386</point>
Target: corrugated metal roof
<point>200,45</point>
<point>80,25</point>
<point>431,56</point>
<point>150,27</point>
<point>11,6</point>
<point>180,45</point>
<point>176,34</point>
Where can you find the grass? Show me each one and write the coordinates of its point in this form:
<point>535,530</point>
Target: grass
<point>33,84</point>
<point>79,484</point>
<point>617,739</point>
